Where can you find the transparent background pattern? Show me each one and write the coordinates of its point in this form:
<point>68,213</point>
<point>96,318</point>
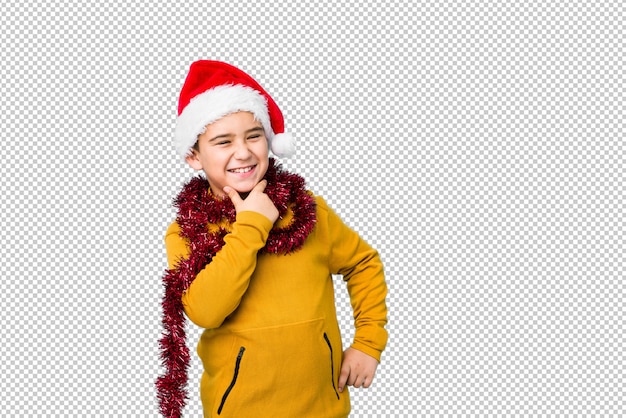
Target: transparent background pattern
<point>478,145</point>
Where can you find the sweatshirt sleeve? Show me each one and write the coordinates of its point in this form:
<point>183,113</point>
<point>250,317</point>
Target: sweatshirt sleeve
<point>362,270</point>
<point>218,288</point>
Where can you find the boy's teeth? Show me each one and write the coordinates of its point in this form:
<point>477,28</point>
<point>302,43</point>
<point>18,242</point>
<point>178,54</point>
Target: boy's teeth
<point>241,170</point>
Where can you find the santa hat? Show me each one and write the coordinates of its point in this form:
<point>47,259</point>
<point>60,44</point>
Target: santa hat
<point>215,89</point>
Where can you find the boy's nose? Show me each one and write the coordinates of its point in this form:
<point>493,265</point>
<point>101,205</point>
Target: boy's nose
<point>242,151</point>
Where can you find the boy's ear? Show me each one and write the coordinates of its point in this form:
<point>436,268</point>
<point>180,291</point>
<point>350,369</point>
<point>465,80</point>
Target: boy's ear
<point>193,161</point>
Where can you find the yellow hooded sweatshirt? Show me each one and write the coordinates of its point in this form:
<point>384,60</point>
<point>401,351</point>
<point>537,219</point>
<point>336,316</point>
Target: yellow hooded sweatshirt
<point>271,345</point>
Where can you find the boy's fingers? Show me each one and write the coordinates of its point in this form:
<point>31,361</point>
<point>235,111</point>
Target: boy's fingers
<point>234,195</point>
<point>343,377</point>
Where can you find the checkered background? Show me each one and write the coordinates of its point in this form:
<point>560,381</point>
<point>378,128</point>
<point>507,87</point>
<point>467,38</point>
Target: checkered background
<point>478,145</point>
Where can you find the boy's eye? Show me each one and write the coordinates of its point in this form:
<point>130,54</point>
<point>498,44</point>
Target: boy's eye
<point>255,136</point>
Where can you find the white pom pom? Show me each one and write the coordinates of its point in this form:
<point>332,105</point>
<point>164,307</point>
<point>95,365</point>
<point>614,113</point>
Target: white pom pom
<point>283,145</point>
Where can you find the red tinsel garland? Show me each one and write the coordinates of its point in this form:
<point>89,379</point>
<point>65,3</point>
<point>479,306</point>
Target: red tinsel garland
<point>197,208</point>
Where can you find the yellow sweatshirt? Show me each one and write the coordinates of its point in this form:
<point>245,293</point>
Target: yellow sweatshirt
<point>271,345</point>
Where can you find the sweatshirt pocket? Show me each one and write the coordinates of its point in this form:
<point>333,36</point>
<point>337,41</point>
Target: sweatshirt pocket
<point>283,371</point>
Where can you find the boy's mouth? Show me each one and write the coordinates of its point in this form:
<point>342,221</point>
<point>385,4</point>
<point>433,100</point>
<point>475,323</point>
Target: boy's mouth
<point>242,170</point>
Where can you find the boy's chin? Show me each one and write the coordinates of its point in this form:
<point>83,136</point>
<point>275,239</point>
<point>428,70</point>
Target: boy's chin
<point>244,191</point>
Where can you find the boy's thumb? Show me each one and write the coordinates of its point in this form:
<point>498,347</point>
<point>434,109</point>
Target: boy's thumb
<point>260,186</point>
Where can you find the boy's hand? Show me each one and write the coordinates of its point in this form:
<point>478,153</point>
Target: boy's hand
<point>357,369</point>
<point>256,201</point>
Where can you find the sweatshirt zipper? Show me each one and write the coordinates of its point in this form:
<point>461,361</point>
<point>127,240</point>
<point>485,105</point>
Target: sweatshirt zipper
<point>332,367</point>
<point>232,383</point>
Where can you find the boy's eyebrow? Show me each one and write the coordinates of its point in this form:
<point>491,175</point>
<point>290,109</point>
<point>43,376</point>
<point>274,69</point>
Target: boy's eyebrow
<point>255,129</point>
<point>249,131</point>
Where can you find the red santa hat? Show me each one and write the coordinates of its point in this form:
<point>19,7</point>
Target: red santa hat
<point>214,89</point>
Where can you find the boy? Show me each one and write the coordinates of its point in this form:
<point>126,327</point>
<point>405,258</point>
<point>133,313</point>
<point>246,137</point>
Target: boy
<point>251,257</point>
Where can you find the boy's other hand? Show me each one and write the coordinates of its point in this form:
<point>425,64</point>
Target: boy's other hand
<point>256,201</point>
<point>357,369</point>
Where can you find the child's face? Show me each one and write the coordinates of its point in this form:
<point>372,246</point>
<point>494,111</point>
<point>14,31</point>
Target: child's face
<point>233,151</point>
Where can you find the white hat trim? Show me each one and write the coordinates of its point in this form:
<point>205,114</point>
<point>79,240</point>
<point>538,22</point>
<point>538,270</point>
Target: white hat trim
<point>214,104</point>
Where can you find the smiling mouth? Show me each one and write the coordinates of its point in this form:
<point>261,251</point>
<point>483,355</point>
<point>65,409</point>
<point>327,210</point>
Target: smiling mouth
<point>242,169</point>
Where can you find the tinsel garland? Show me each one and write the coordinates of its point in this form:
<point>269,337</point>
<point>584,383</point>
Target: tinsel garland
<point>197,208</point>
